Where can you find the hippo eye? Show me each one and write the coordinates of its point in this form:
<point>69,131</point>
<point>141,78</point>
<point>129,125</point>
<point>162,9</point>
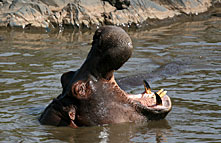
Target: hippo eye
<point>81,90</point>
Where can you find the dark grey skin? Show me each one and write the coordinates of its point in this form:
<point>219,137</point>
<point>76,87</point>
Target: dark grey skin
<point>91,96</point>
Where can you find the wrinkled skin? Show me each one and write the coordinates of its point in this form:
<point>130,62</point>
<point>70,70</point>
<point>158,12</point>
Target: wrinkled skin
<point>91,96</point>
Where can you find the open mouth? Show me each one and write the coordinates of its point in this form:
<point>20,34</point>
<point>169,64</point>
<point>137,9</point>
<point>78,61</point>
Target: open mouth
<point>150,102</point>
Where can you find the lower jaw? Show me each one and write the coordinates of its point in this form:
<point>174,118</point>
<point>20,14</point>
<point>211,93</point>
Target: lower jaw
<point>152,111</point>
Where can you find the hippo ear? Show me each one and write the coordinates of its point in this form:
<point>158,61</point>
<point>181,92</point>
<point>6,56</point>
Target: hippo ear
<point>66,78</point>
<point>72,114</point>
<point>81,90</point>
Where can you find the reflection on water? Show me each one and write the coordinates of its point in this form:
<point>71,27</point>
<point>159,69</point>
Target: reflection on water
<point>31,64</point>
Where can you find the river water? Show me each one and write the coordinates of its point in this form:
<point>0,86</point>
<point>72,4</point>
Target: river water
<point>31,63</point>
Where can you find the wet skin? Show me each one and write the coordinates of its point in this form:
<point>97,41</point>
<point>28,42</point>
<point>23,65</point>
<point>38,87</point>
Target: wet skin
<point>91,96</point>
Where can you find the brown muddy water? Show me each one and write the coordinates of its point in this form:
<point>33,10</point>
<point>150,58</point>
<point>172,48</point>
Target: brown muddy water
<point>31,64</point>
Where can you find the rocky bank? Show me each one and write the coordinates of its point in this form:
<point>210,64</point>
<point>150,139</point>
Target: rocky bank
<point>89,13</point>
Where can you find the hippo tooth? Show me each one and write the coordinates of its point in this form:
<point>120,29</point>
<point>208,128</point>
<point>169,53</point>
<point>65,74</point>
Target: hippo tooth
<point>147,87</point>
<point>163,93</point>
<point>158,99</point>
<point>160,91</point>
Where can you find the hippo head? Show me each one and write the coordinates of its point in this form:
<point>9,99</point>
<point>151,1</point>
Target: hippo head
<point>94,96</point>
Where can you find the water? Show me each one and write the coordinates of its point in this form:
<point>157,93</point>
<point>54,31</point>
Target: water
<point>31,63</point>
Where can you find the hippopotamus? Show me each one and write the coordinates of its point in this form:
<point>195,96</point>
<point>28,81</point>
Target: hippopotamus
<point>91,96</point>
